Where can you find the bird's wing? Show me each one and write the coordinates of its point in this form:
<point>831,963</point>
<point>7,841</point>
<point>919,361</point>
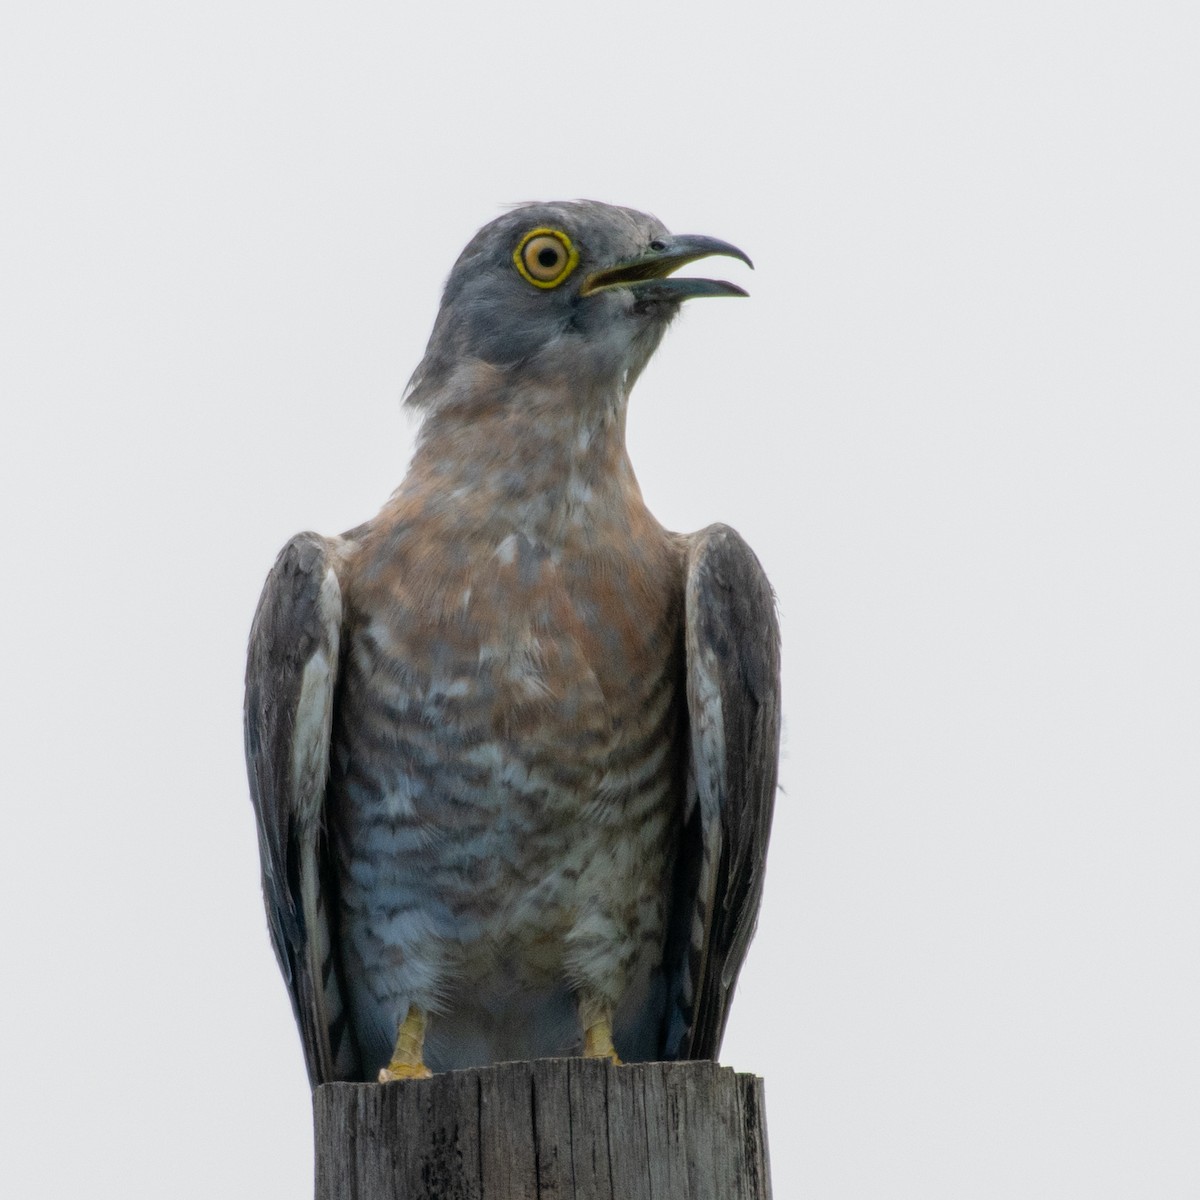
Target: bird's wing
<point>732,645</point>
<point>291,674</point>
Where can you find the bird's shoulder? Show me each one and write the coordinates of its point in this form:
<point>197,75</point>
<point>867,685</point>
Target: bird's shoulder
<point>722,570</point>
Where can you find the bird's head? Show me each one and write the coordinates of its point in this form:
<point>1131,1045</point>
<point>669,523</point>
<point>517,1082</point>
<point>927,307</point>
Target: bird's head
<point>577,291</point>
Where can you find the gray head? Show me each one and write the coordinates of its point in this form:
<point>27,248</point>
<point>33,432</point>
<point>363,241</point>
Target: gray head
<point>576,289</point>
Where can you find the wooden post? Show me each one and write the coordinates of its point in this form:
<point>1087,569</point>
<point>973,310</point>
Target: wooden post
<point>554,1129</point>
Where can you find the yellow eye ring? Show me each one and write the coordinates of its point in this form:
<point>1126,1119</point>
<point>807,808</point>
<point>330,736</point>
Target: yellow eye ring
<point>545,257</point>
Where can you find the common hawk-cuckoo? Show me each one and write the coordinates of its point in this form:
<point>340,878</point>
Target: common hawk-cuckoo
<point>512,745</point>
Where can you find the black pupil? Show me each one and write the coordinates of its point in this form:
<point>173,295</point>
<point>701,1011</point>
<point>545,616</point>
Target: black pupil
<point>548,258</point>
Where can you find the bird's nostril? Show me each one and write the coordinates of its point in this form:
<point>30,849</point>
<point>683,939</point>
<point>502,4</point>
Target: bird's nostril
<point>658,244</point>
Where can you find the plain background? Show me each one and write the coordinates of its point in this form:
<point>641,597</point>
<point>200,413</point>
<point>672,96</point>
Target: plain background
<point>958,420</point>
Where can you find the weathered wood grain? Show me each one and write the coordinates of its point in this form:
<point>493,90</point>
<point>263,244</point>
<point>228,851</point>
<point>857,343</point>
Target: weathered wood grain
<point>555,1129</point>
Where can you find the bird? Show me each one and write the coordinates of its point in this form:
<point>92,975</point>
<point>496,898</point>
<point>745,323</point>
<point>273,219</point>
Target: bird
<point>513,746</point>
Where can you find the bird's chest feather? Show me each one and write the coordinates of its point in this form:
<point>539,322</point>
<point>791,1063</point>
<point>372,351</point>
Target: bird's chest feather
<point>507,724</point>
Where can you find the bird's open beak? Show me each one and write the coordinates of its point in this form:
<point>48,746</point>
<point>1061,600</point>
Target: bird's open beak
<point>647,275</point>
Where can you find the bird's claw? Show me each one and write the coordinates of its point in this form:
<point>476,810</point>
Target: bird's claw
<point>402,1070</point>
<point>598,1043</point>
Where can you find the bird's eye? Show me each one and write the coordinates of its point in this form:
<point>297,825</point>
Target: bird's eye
<point>545,257</point>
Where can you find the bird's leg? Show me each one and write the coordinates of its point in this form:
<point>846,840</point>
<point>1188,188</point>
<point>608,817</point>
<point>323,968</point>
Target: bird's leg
<point>408,1060</point>
<point>596,1018</point>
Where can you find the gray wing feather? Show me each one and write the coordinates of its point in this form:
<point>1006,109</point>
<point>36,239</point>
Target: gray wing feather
<point>732,645</point>
<point>291,675</point>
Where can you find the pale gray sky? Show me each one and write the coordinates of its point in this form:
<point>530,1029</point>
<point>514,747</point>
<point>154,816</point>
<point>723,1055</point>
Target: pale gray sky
<point>959,420</point>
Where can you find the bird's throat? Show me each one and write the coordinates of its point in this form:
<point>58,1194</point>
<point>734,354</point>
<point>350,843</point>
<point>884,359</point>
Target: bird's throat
<point>541,463</point>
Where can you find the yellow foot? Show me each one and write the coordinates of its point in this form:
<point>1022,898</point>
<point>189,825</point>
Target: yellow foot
<point>612,1057</point>
<point>403,1070</point>
<point>598,1043</point>
<point>408,1059</point>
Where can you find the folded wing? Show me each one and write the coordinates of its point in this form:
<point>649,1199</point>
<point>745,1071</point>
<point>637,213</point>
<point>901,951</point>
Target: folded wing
<point>291,675</point>
<point>732,645</point>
